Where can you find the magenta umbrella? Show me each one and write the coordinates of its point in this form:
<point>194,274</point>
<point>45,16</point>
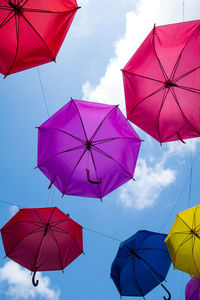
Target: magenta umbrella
<point>87,149</point>
<point>161,83</point>
<point>192,289</point>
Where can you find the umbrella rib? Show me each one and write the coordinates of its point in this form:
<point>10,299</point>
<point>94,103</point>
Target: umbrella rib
<point>74,170</point>
<point>42,220</point>
<point>183,221</point>
<point>185,240</point>
<point>194,239</point>
<point>80,119</point>
<point>54,238</point>
<point>179,58</point>
<point>94,134</point>
<point>19,241</point>
<point>189,89</point>
<point>161,66</point>
<point>178,104</point>
<point>18,222</point>
<point>37,33</point>
<point>17,48</point>
<point>155,249</point>
<point>186,74</point>
<point>142,76</point>
<point>145,98</point>
<point>136,281</point>
<point>48,11</point>
<point>62,152</point>
<point>108,156</point>
<point>65,132</point>
<point>100,196</point>
<point>162,104</point>
<point>116,138</point>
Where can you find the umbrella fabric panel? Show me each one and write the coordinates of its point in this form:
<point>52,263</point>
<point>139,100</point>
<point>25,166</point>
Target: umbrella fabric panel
<point>192,289</point>
<point>31,32</point>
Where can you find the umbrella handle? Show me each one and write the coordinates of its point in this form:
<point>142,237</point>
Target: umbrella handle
<point>35,283</point>
<point>167,292</point>
<point>92,181</point>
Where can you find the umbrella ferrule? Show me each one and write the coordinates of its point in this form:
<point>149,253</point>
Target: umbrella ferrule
<point>134,253</point>
<point>88,145</point>
<point>169,83</point>
<point>46,228</point>
<point>195,233</point>
<point>16,8</point>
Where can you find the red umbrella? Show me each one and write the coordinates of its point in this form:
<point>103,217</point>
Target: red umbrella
<point>32,31</point>
<point>42,239</point>
<point>161,83</point>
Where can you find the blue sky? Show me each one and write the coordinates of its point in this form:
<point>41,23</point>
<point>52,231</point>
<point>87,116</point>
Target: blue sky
<point>103,36</point>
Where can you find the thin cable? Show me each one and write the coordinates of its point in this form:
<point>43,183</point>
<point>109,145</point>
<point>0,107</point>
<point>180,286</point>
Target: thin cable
<point>11,203</point>
<point>177,200</point>
<point>183,11</point>
<point>102,234</point>
<point>47,202</point>
<point>191,170</point>
<point>42,88</point>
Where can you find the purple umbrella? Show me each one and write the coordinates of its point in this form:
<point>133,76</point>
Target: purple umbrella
<point>87,149</point>
<point>192,289</point>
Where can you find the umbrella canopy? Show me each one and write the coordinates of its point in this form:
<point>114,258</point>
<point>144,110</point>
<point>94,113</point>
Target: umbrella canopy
<point>87,149</point>
<point>32,31</point>
<point>141,263</point>
<point>161,83</point>
<point>42,239</point>
<point>192,289</point>
<point>183,241</point>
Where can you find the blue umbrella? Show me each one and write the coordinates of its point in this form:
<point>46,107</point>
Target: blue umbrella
<point>141,263</point>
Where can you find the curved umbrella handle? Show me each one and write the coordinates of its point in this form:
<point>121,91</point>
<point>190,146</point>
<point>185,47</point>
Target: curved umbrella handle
<point>92,181</point>
<point>167,292</point>
<point>35,283</point>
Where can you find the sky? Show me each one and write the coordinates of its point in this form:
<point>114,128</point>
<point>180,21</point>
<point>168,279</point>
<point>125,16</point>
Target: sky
<point>102,38</point>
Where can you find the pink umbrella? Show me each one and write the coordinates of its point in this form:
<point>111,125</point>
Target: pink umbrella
<point>192,289</point>
<point>161,83</point>
<point>87,149</point>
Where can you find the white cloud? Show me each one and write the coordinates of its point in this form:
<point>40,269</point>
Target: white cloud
<point>178,148</point>
<point>20,284</point>
<point>150,181</point>
<point>13,209</point>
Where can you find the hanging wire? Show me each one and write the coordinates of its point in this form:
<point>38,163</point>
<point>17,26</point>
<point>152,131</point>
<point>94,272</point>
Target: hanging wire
<point>11,203</point>
<point>102,234</point>
<point>42,88</point>
<point>183,11</point>
<point>191,170</point>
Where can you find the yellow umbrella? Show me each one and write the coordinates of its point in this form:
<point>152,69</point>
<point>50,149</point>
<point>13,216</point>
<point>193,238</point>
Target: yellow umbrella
<point>183,241</point>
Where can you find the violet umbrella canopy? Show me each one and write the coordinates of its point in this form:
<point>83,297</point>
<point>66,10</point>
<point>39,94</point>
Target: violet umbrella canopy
<point>192,289</point>
<point>87,149</point>
<point>32,32</point>
<point>42,239</point>
<point>161,83</point>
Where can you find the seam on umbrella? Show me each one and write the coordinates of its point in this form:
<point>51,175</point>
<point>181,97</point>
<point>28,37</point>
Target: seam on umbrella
<point>63,131</point>
<point>42,220</point>
<point>100,194</point>
<point>108,156</point>
<point>178,60</point>
<point>178,215</point>
<point>142,76</point>
<point>54,238</point>
<point>155,249</point>
<point>18,222</point>
<point>166,91</point>
<point>37,256</point>
<point>37,33</point>
<point>185,240</point>
<point>49,11</point>
<point>19,241</point>
<point>159,62</point>
<point>59,153</point>
<point>179,106</point>
<point>145,98</point>
<point>185,74</point>
<point>97,142</point>
<point>60,230</point>
<point>80,119</point>
<point>97,129</point>
<point>189,89</point>
<point>17,48</point>
<point>137,283</point>
<point>70,177</point>
<point>193,242</point>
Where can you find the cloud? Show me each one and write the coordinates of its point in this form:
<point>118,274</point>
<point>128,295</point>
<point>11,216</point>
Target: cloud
<point>20,284</point>
<point>150,181</point>
<point>13,209</point>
